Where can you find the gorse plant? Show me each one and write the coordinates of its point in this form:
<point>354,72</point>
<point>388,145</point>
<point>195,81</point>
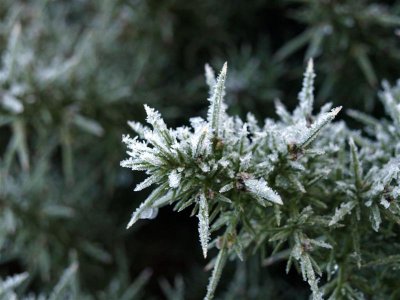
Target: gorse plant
<point>222,165</point>
<point>294,187</point>
<point>71,72</point>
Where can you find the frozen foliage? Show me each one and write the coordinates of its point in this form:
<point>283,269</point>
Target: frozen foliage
<point>309,190</point>
<point>217,107</point>
<point>306,96</point>
<point>8,285</point>
<point>235,172</point>
<point>261,189</point>
<point>204,223</point>
<point>309,135</point>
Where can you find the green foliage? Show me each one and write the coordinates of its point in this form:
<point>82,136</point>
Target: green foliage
<point>291,184</point>
<point>52,68</point>
<point>72,72</point>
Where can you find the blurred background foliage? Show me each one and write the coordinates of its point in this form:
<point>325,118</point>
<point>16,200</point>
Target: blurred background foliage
<point>72,73</point>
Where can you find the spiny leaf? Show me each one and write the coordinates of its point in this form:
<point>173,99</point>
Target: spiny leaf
<point>210,78</point>
<point>316,127</point>
<point>306,96</point>
<point>204,224</point>
<point>217,106</point>
<point>342,211</point>
<point>261,189</point>
<point>216,273</point>
<point>375,217</point>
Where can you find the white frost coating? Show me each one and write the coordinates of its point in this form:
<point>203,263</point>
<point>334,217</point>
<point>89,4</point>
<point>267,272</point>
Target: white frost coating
<point>154,117</point>
<point>308,136</point>
<point>212,155</point>
<point>390,171</point>
<point>150,158</point>
<point>224,162</point>
<point>227,188</point>
<point>396,192</point>
<point>200,142</point>
<point>306,96</point>
<point>12,282</point>
<point>204,232</point>
<point>391,107</point>
<point>157,140</point>
<point>342,211</point>
<point>204,167</point>
<point>217,107</point>
<point>146,183</point>
<point>321,244</point>
<point>138,128</point>
<point>307,268</point>
<point>245,162</point>
<point>216,273</point>
<point>282,112</point>
<point>385,203</point>
<point>197,122</point>
<point>174,179</point>
<point>260,188</point>
<point>12,104</point>
<point>210,77</point>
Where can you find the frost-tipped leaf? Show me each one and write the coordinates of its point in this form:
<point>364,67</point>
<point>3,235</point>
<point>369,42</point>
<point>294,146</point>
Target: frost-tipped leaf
<point>138,128</point>
<point>282,112</point>
<point>342,211</point>
<point>261,189</point>
<point>306,96</point>
<point>390,171</point>
<point>210,78</point>
<point>217,106</point>
<point>306,266</point>
<point>146,183</point>
<point>161,137</point>
<point>204,224</point>
<point>308,136</point>
<point>391,102</point>
<point>11,103</point>
<point>12,282</point>
<point>309,275</point>
<point>321,244</point>
<point>216,273</point>
<point>200,141</point>
<point>154,118</point>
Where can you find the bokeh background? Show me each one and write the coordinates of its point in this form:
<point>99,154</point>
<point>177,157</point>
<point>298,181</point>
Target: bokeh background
<point>73,72</point>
